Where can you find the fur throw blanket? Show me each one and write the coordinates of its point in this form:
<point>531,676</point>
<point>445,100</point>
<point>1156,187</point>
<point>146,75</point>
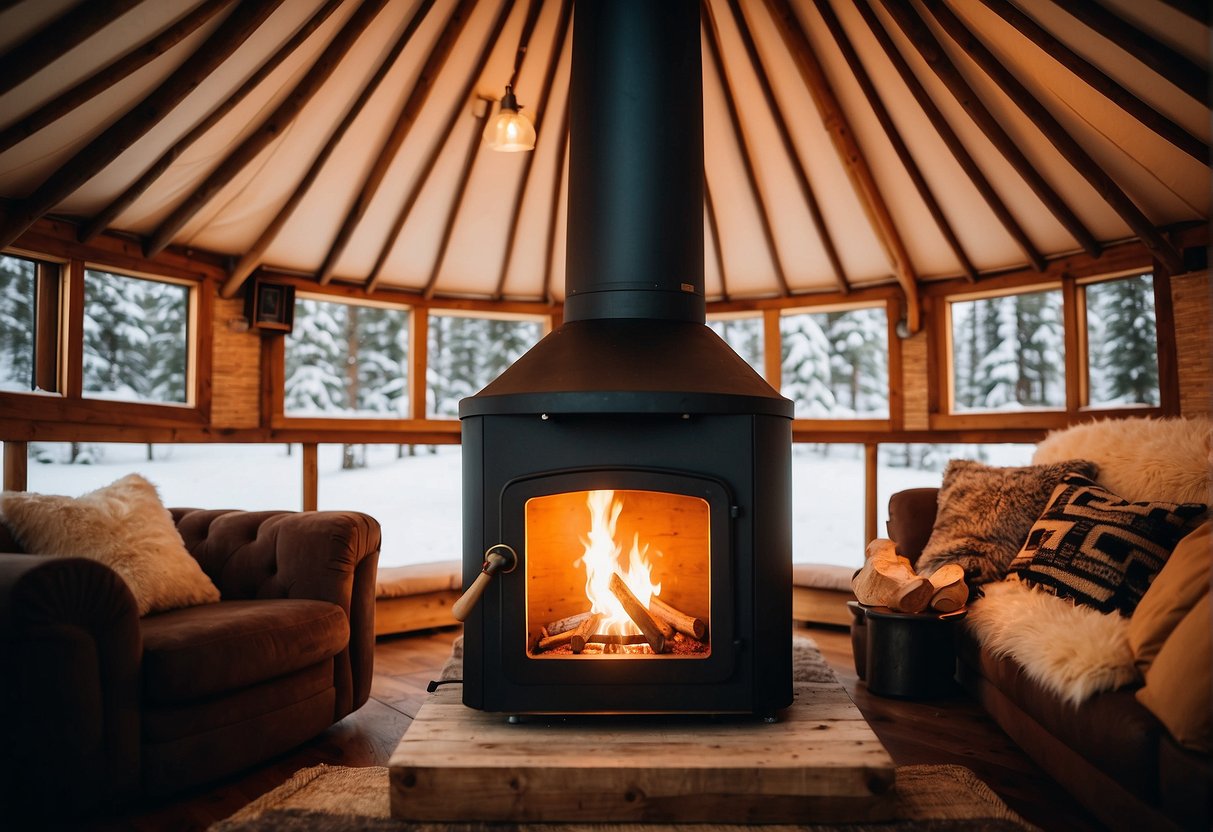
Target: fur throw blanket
<point>1071,650</point>
<point>1140,459</point>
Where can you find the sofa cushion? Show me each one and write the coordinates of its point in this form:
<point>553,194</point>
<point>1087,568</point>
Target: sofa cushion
<point>1179,684</point>
<point>984,514</point>
<point>1098,549</point>
<point>123,525</point>
<point>1184,578</point>
<point>203,651</point>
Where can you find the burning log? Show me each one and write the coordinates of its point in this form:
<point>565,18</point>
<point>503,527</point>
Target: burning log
<point>680,621</point>
<point>583,632</point>
<point>639,615</point>
<point>563,625</point>
<point>552,642</point>
<point>606,638</point>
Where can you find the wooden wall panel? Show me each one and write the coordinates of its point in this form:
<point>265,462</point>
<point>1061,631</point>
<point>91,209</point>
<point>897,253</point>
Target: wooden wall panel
<point>236,358</point>
<point>1190,295</point>
<point>914,380</point>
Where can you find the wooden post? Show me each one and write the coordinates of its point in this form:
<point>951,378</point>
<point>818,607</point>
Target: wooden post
<point>870,455</point>
<point>16,465</point>
<point>419,344</point>
<point>772,348</point>
<point>311,477</point>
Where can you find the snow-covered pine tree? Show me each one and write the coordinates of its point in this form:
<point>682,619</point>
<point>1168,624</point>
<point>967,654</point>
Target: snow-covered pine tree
<point>166,313</point>
<point>1127,354</point>
<point>117,341</point>
<point>859,360</point>
<point>17,308</point>
<point>806,366</point>
<point>316,359</point>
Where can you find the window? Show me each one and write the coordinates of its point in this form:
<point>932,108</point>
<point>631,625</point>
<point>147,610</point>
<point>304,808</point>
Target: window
<point>836,364</point>
<point>136,338</point>
<point>1008,353</point>
<point>346,359</point>
<point>29,320</point>
<point>744,335</point>
<point>465,353</point>
<point>1122,342</point>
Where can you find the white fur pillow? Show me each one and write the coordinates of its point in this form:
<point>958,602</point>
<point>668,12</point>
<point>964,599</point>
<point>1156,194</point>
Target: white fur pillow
<point>1140,459</point>
<point>1071,650</point>
<point>123,525</point>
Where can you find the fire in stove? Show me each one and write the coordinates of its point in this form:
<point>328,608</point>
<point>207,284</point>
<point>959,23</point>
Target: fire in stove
<point>630,543</point>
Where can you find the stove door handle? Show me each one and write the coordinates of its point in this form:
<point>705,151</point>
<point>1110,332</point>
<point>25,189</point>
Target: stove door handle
<point>499,558</point>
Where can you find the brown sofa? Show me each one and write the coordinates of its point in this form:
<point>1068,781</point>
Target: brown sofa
<point>102,706</point>
<point>1111,753</point>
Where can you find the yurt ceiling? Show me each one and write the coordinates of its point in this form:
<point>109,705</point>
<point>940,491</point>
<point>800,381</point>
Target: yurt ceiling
<point>848,143</point>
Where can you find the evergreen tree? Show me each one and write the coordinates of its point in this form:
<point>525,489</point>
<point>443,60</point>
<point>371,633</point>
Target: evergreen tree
<point>859,360</point>
<point>806,366</point>
<point>1127,353</point>
<point>17,308</point>
<point>117,340</point>
<point>166,313</point>
<point>316,357</point>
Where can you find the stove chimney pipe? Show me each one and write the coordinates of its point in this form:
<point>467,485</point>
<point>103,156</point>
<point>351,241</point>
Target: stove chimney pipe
<point>635,216</point>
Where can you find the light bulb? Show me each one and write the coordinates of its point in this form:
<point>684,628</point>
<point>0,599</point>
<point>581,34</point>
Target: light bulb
<point>509,131</point>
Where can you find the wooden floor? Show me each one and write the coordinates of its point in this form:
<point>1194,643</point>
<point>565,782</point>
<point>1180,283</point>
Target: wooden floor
<point>944,731</point>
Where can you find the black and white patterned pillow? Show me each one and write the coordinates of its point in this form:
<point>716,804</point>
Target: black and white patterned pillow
<point>1098,549</point>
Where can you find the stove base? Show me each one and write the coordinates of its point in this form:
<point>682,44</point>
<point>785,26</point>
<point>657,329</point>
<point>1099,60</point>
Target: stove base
<point>820,763</point>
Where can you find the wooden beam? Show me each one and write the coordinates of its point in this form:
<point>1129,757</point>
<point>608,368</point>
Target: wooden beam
<point>789,149</point>
<point>16,465</point>
<point>251,259</point>
<point>849,152</point>
<point>772,348</point>
<point>421,90</point>
<point>714,230</point>
<point>894,136</point>
<point>1171,65</point>
<point>72,345</point>
<point>100,221</point>
<point>48,327</point>
<point>73,28</point>
<point>1198,10</point>
<point>549,249</point>
<point>419,349</point>
<point>311,476</point>
<point>270,129</point>
<point>427,167</point>
<point>137,121</point>
<point>962,156</point>
<point>1052,130</point>
<point>919,34</point>
<point>528,164</point>
<point>712,36</point>
<point>108,75</point>
<point>461,186</point>
<point>871,452</point>
<point>1091,75</point>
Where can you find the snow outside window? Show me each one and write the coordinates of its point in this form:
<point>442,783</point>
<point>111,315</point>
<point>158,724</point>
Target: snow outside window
<point>836,364</point>
<point>347,360</point>
<point>136,338</point>
<point>1008,353</point>
<point>744,335</point>
<point>1122,342</point>
<point>18,309</point>
<point>466,353</point>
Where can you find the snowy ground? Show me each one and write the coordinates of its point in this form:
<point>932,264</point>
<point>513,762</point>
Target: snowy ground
<point>417,499</point>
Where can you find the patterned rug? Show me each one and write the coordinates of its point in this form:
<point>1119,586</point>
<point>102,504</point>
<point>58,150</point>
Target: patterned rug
<point>342,799</point>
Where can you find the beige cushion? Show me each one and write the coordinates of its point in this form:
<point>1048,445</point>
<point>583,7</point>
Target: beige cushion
<point>123,525</point>
<point>1176,589</point>
<point>823,576</point>
<point>1179,684</point>
<point>418,579</point>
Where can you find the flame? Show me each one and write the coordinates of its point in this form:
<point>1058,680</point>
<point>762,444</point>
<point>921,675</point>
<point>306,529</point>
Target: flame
<point>602,558</point>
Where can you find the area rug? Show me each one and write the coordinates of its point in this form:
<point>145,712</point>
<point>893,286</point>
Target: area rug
<point>343,799</point>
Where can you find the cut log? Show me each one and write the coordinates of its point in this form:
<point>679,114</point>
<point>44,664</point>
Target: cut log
<point>583,632</point>
<point>639,615</point>
<point>552,642</point>
<point>950,592</point>
<point>607,638</point>
<point>887,580</point>
<point>571,622</point>
<point>688,625</point>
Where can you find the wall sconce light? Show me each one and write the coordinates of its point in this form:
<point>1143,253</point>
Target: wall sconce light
<point>509,131</point>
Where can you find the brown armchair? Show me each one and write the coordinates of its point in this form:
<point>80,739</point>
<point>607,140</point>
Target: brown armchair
<point>102,706</point>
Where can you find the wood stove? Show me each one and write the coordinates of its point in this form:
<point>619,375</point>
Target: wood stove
<point>627,486</point>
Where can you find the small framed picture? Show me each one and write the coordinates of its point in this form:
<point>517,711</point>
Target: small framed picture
<point>271,306</point>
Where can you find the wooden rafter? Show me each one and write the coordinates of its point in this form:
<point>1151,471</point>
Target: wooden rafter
<point>1100,82</point>
<point>443,135</point>
<point>269,130</point>
<point>528,164</point>
<point>1179,70</point>
<point>789,149</point>
<point>251,259</point>
<point>109,75</point>
<point>850,154</point>
<point>714,230</point>
<point>932,52</point>
<point>899,146</point>
<point>137,121</point>
<point>946,134</point>
<point>422,87</point>
<point>461,186</point>
<point>743,144</point>
<point>1198,10</point>
<point>73,28</point>
<point>100,221</point>
<point>1052,130</point>
<point>549,249</point>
